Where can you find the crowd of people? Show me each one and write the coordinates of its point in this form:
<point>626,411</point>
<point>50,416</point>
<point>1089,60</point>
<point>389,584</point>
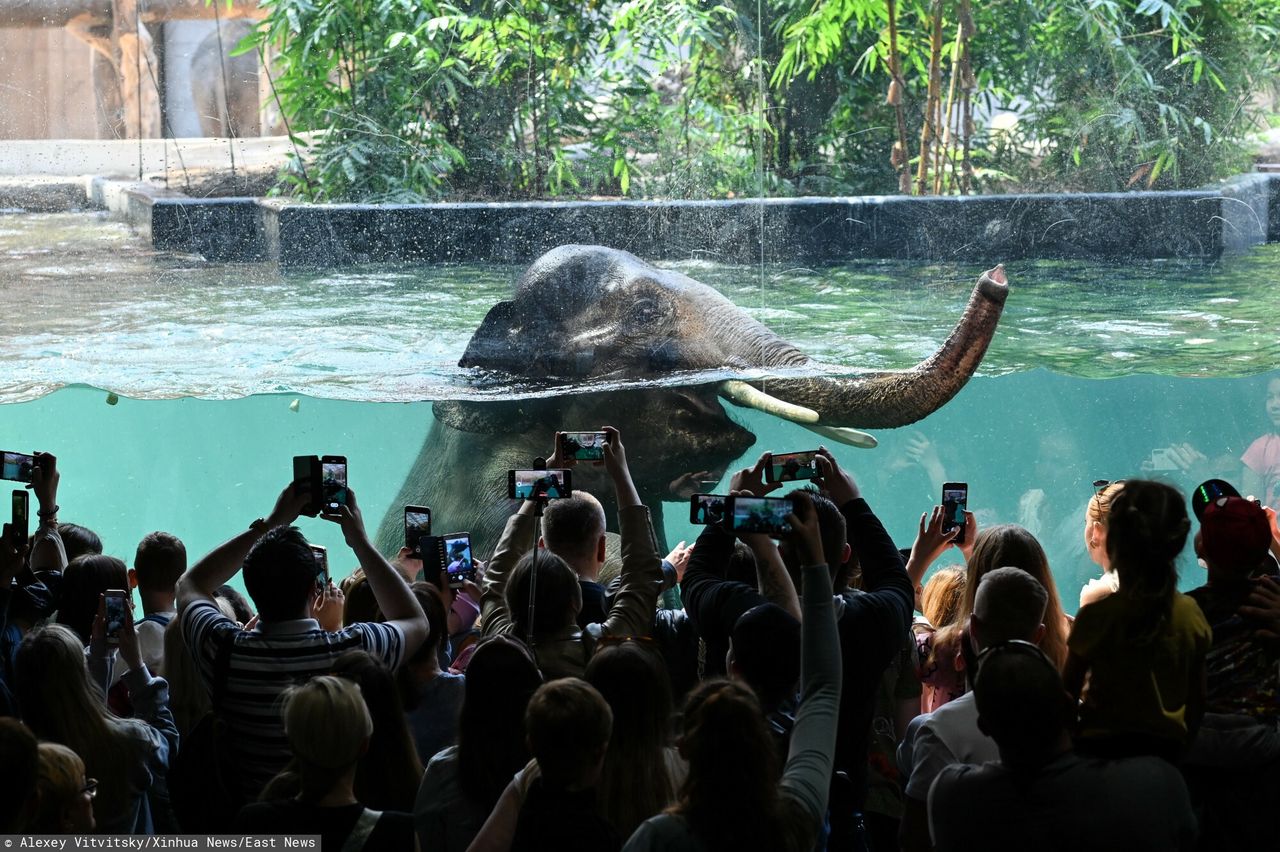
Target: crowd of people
<point>826,690</point>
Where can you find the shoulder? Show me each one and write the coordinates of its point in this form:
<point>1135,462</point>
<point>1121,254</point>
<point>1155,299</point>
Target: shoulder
<point>1188,616</point>
<point>663,832</point>
<point>201,620</point>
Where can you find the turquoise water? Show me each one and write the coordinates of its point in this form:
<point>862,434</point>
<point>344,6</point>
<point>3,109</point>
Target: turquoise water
<point>1094,366</point>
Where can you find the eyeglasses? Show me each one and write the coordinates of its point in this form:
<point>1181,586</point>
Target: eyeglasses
<point>1100,484</point>
<point>90,787</point>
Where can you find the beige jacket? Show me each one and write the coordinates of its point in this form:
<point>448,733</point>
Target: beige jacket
<point>565,653</point>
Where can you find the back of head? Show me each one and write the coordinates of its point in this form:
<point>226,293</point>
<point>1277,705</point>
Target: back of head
<point>766,652</point>
<point>831,526</point>
<point>238,603</point>
<point>1021,704</point>
<point>388,776</point>
<point>943,596</point>
<point>1235,536</point>
<point>568,725</point>
<point>83,583</point>
<point>188,696</point>
<point>60,783</point>
<point>19,757</point>
<point>328,726</point>
<point>558,597</point>
<point>1013,546</point>
<point>432,604</point>
<point>360,605</point>
<point>161,559</point>
<point>1099,508</point>
<point>1146,530</point>
<point>501,678</point>
<point>280,574</point>
<point>571,527</point>
<point>78,540</point>
<point>742,565</point>
<point>1010,604</point>
<point>730,792</point>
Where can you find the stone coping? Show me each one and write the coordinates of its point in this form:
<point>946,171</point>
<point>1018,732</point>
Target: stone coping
<point>1203,223</point>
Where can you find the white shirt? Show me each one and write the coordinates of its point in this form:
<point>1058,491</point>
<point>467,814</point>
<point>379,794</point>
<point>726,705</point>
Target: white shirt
<point>947,735</point>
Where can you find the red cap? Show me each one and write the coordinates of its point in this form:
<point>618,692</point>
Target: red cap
<point>1235,533</point>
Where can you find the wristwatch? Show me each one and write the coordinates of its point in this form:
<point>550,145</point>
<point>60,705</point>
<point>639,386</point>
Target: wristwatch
<point>260,526</point>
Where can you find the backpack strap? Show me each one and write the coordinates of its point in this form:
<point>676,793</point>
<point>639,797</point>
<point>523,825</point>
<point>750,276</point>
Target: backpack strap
<point>359,836</point>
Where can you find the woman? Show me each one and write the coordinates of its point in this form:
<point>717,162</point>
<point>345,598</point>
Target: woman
<point>129,757</point>
<point>432,697</point>
<point>83,583</point>
<point>1095,541</point>
<point>328,726</point>
<point>65,793</point>
<point>463,782</point>
<point>940,604</point>
<point>734,797</point>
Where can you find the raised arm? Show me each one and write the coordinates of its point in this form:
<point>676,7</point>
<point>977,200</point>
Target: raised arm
<point>47,551</point>
<point>633,606</point>
<point>806,778</point>
<point>516,541</point>
<point>392,593</point>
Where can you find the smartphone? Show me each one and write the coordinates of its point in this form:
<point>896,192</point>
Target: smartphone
<point>17,466</point>
<point>417,524</point>
<point>322,563</point>
<point>21,526</point>
<point>583,446</point>
<point>539,484</point>
<point>766,515</point>
<point>117,602</point>
<point>955,501</point>
<point>789,467</point>
<point>333,484</point>
<point>706,509</point>
<point>306,478</point>
<point>452,554</point>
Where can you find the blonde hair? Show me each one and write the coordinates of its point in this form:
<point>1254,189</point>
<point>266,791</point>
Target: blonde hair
<point>60,705</point>
<point>327,722</point>
<point>1100,503</point>
<point>60,781</point>
<point>188,696</point>
<point>943,596</point>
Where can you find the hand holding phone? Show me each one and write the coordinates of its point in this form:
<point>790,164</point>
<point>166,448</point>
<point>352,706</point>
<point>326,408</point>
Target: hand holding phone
<point>583,446</point>
<point>322,564</point>
<point>955,502</point>
<point>791,467</point>
<point>17,467</point>
<point>451,554</point>
<point>115,612</point>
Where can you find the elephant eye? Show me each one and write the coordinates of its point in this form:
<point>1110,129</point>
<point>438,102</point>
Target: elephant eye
<point>648,311</point>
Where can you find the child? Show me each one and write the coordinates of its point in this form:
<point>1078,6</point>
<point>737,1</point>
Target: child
<point>1143,648</point>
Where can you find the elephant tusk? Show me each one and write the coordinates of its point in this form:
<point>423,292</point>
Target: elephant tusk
<point>750,396</point>
<point>845,435</point>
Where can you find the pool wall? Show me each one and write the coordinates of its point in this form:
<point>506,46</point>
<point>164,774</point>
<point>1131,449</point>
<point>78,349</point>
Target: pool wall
<point>1205,223</point>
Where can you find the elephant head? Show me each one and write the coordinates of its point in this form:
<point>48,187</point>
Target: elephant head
<point>594,335</point>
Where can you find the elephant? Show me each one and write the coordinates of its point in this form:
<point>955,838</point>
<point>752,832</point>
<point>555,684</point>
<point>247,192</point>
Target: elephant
<point>595,336</point>
<point>227,105</point>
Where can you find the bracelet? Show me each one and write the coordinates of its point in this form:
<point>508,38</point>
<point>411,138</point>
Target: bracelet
<point>52,513</point>
<point>259,526</point>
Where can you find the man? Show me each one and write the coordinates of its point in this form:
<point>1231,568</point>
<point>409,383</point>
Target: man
<point>160,560</point>
<point>562,648</point>
<point>1009,605</point>
<point>1041,795</point>
<point>247,670</point>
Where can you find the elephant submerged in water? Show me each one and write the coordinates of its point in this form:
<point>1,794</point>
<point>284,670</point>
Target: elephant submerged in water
<point>596,336</point>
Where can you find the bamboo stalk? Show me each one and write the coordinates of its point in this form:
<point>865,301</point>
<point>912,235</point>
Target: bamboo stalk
<point>898,159</point>
<point>969,82</point>
<point>929,133</point>
<point>945,148</point>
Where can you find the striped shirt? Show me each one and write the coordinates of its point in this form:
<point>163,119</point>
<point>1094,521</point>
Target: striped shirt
<point>264,663</point>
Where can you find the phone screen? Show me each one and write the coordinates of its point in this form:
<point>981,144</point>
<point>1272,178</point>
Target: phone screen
<point>322,563</point>
<point>115,614</point>
<point>548,484</point>
<point>955,500</point>
<point>766,515</point>
<point>417,523</point>
<point>789,467</point>
<point>21,525</point>
<point>333,479</point>
<point>583,446</point>
<point>17,466</point>
<point>706,509</point>
<point>457,555</point>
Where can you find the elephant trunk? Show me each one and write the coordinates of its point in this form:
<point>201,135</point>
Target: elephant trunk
<point>891,399</point>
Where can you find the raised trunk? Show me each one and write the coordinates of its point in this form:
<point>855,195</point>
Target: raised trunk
<point>886,400</point>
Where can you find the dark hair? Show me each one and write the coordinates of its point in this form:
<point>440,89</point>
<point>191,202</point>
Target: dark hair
<point>730,796</point>
<point>766,650</point>
<point>19,755</point>
<point>360,605</point>
<point>741,567</point>
<point>572,526</point>
<point>83,583</point>
<point>388,774</point>
<point>161,559</point>
<point>1021,702</point>
<point>635,783</point>
<point>239,604</point>
<point>78,540</point>
<point>831,527</point>
<point>568,723</point>
<point>1146,530</point>
<point>438,626</point>
<point>501,678</point>
<point>280,574</point>
<point>557,590</point>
